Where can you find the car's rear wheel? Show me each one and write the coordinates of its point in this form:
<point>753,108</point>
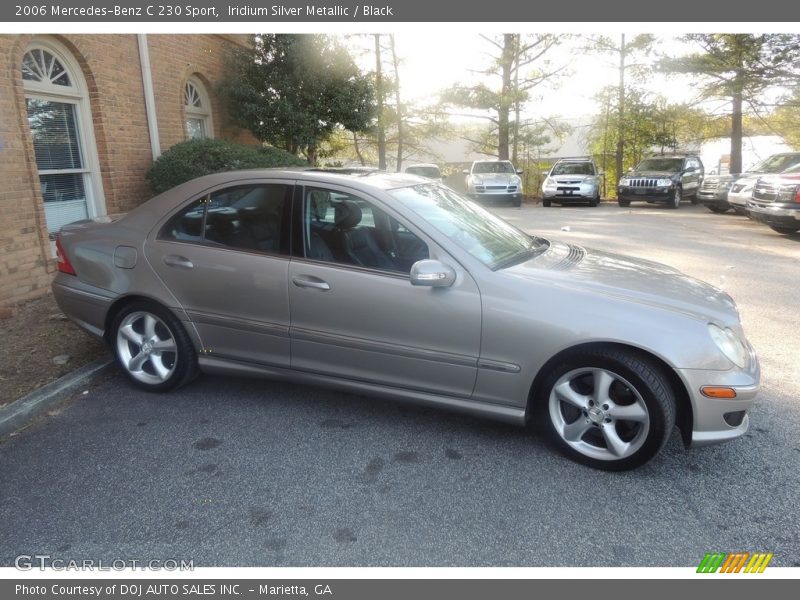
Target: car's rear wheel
<point>152,348</point>
<point>784,230</point>
<point>609,409</point>
<point>675,198</point>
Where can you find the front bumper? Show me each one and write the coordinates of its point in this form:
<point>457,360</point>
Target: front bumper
<point>739,200</point>
<point>493,196</point>
<point>779,215</point>
<point>570,193</point>
<point>709,424</point>
<point>645,194</point>
<point>716,199</point>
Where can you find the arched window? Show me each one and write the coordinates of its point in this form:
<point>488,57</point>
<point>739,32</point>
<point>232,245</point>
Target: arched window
<point>63,140</point>
<point>197,109</point>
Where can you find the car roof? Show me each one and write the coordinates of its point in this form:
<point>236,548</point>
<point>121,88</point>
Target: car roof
<point>427,165</point>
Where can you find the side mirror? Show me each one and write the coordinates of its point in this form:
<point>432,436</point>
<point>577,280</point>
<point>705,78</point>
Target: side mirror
<point>601,173</point>
<point>432,273</point>
<point>465,171</point>
<point>519,171</point>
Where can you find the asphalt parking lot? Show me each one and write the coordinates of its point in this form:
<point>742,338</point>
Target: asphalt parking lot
<point>237,472</point>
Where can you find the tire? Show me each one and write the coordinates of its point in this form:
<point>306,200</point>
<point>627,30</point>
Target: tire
<point>546,203</point>
<point>594,201</point>
<point>784,230</point>
<point>717,209</point>
<point>516,203</point>
<point>152,348</point>
<point>694,199</point>
<point>742,212</point>
<point>675,199</point>
<point>624,203</point>
<point>620,428</point>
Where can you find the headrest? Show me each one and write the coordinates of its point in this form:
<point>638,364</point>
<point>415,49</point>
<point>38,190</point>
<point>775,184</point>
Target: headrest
<point>347,215</point>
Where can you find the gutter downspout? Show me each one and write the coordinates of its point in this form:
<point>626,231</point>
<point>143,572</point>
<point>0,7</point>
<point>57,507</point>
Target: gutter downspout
<point>149,96</point>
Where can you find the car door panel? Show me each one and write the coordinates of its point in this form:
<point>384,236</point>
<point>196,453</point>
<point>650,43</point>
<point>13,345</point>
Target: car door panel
<point>377,327</point>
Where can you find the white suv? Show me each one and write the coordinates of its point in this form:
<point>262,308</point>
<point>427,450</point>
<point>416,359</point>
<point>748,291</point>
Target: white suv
<point>572,180</point>
<point>494,180</point>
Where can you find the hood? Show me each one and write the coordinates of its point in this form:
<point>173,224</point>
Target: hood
<point>493,178</point>
<point>652,174</point>
<point>570,178</point>
<point>721,178</point>
<point>629,279</point>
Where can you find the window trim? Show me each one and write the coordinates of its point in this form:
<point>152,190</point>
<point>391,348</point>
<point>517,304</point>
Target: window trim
<point>157,233</point>
<point>298,237</point>
<point>204,113</point>
<point>78,95</point>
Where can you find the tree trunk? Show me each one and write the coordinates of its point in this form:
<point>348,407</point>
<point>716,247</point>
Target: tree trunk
<point>358,150</point>
<point>311,154</point>
<point>379,93</point>
<point>504,108</point>
<point>736,128</point>
<point>621,110</point>
<point>398,105</point>
<point>515,146</point>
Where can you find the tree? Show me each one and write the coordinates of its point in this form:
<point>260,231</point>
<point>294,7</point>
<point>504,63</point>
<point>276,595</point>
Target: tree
<point>520,64</point>
<point>739,68</point>
<point>294,91</point>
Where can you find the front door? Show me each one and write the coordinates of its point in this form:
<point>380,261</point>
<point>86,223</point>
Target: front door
<point>354,313</point>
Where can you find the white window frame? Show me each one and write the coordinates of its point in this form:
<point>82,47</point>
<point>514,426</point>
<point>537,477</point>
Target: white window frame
<point>202,113</point>
<point>77,95</point>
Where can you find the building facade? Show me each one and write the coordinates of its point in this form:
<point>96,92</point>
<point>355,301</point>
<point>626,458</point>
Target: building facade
<point>82,118</point>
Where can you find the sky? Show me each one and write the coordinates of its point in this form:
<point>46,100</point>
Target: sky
<point>433,63</point>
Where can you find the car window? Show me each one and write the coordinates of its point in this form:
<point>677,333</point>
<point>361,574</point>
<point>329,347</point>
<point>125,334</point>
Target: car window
<point>346,229</point>
<point>429,172</point>
<point>693,163</point>
<point>493,167</point>
<point>776,163</point>
<point>247,217</point>
<point>573,168</point>
<point>487,237</point>
<point>660,164</point>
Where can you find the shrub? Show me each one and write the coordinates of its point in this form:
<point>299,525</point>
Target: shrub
<point>194,158</point>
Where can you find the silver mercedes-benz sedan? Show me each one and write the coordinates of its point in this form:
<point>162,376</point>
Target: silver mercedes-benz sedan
<point>391,285</point>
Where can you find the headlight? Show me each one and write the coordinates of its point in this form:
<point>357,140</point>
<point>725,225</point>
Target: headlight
<point>624,181</point>
<point>516,180</point>
<point>729,344</point>
<point>664,182</point>
<point>788,193</point>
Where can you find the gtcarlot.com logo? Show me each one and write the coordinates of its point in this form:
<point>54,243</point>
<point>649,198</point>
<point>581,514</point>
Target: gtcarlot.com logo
<point>736,562</point>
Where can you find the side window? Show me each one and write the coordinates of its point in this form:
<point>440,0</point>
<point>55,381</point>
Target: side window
<point>247,217</point>
<point>346,229</point>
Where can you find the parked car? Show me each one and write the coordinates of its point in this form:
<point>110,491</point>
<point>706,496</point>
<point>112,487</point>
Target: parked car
<point>741,190</point>
<point>427,170</point>
<point>776,202</point>
<point>381,285</point>
<point>494,180</point>
<point>572,180</point>
<point>666,179</point>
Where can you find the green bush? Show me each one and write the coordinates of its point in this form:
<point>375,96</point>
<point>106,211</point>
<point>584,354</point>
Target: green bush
<point>194,158</point>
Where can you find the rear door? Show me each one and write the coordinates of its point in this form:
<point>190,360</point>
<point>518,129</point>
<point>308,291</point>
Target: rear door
<point>225,257</point>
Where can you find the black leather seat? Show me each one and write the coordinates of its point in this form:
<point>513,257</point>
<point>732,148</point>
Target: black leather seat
<point>358,243</point>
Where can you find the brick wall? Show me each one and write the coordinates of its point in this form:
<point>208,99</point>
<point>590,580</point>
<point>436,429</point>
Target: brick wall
<point>110,65</point>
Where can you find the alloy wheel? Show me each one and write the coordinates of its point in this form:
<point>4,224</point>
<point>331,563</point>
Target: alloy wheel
<point>146,347</point>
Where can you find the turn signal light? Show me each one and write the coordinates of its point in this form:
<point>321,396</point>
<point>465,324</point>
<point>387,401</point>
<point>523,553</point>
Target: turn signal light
<point>713,391</point>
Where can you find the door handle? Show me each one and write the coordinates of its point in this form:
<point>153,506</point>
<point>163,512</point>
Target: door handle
<point>181,262</point>
<point>309,281</point>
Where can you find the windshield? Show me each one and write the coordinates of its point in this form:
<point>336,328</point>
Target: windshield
<point>429,172</point>
<point>660,164</point>
<point>573,168</point>
<point>777,163</point>
<point>493,167</point>
<point>488,238</point>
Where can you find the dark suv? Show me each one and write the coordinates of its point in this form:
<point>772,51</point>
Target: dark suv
<point>667,179</point>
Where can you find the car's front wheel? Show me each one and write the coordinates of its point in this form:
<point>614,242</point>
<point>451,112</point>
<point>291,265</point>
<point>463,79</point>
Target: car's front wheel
<point>152,348</point>
<point>610,409</point>
<point>675,198</point>
<point>716,209</point>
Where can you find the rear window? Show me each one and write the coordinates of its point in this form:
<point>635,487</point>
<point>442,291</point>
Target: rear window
<point>429,172</point>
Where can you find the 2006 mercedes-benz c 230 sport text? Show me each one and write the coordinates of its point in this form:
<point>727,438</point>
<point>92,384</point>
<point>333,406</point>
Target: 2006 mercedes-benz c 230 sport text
<point>391,285</point>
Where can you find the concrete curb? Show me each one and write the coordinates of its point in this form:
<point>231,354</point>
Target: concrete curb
<point>18,413</point>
